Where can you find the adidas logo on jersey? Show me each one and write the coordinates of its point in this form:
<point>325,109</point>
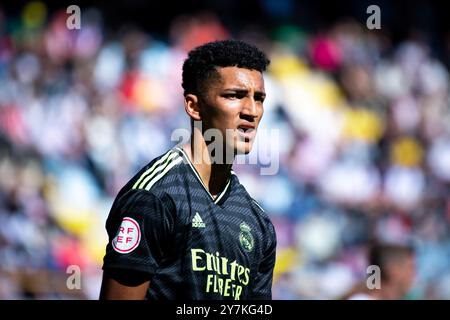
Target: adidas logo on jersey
<point>197,221</point>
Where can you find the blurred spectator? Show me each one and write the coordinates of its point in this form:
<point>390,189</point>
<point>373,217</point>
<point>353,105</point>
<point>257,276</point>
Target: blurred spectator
<point>397,269</point>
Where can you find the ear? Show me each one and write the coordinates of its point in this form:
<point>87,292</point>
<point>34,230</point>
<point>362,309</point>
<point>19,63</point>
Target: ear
<point>192,107</point>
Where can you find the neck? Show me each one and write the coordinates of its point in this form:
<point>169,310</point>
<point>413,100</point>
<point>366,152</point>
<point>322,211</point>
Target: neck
<point>213,175</point>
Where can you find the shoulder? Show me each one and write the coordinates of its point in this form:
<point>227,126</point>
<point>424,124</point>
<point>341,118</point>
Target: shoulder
<point>139,199</point>
<point>157,172</point>
<point>149,184</point>
<point>254,205</point>
<point>245,195</point>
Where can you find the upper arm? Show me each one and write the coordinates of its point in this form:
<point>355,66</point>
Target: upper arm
<point>139,229</point>
<point>120,285</point>
<point>262,286</point>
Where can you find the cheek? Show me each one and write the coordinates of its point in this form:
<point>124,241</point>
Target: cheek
<point>260,112</point>
<point>227,113</point>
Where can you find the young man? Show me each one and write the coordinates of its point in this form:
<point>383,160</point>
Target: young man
<point>184,227</point>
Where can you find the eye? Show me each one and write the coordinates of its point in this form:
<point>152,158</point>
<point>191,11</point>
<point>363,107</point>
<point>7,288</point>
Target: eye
<point>234,95</point>
<point>260,98</point>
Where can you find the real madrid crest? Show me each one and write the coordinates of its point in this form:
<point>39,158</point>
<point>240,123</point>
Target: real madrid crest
<point>245,237</point>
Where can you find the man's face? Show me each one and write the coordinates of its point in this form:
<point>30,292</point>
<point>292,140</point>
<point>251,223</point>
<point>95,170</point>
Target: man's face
<point>234,101</point>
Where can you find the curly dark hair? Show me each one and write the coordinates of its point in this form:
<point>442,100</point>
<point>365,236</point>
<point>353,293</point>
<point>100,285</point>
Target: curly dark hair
<point>201,65</point>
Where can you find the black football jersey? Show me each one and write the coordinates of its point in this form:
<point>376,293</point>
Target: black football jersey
<point>164,222</point>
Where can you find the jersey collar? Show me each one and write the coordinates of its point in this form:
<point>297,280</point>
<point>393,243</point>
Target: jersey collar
<point>197,175</point>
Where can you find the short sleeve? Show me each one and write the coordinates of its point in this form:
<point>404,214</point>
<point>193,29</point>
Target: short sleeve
<point>139,229</point>
<point>262,287</point>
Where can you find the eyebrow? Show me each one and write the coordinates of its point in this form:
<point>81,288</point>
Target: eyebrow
<point>242,91</point>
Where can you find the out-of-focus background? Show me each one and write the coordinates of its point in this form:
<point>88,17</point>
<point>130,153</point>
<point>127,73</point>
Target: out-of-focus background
<point>363,118</point>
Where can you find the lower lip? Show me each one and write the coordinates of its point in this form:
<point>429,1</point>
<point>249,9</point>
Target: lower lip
<point>249,134</point>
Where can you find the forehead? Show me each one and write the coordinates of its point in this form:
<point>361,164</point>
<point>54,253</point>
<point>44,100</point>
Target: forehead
<point>240,78</point>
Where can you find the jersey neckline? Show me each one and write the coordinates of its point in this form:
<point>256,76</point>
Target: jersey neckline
<point>220,196</point>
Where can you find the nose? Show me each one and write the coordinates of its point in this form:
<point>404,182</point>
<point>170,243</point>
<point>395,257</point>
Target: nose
<point>250,108</point>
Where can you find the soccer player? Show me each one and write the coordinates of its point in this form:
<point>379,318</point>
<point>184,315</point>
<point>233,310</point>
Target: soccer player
<point>184,227</point>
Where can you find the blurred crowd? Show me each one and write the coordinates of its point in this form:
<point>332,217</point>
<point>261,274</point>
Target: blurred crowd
<point>363,146</point>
